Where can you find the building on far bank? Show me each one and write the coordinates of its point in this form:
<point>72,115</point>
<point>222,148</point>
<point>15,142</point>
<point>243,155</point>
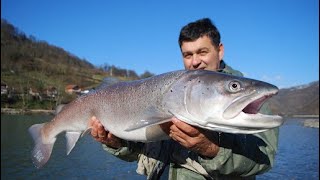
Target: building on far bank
<point>71,88</point>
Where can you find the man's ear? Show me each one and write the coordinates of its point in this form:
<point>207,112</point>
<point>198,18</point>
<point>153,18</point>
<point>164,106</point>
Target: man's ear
<point>221,51</point>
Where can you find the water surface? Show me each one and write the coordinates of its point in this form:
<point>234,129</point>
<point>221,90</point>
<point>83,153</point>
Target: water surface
<point>297,158</point>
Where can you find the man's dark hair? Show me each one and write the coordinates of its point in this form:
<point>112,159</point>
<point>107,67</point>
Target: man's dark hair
<point>199,28</point>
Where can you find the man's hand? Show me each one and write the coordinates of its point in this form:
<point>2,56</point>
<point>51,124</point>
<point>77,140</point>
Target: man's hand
<point>101,135</point>
<point>193,138</point>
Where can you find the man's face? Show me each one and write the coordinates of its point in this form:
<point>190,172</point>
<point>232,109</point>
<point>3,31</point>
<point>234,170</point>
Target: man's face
<point>201,54</point>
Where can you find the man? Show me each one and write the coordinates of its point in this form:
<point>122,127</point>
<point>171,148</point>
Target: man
<point>192,152</point>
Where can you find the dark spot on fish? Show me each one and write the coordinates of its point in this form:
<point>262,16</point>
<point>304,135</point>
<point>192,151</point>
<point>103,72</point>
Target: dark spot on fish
<point>171,90</point>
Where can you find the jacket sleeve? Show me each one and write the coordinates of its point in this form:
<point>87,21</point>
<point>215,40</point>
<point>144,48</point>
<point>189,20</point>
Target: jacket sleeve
<point>244,155</point>
<point>129,152</point>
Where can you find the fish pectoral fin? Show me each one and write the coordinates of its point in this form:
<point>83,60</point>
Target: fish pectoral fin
<point>71,137</point>
<point>145,123</point>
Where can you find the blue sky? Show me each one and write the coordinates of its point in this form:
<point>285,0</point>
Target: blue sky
<point>271,40</point>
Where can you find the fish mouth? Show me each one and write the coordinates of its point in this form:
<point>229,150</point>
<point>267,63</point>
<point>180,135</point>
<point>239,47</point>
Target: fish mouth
<point>249,104</point>
<point>255,106</point>
<point>243,112</point>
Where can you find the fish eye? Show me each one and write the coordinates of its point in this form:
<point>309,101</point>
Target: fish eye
<point>234,86</point>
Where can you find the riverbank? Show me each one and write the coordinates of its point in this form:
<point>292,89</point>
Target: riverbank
<point>26,111</point>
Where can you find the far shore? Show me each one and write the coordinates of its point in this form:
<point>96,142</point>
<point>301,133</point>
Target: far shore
<point>26,111</point>
<point>306,116</point>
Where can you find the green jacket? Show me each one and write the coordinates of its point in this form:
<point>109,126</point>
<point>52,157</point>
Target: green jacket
<point>240,156</point>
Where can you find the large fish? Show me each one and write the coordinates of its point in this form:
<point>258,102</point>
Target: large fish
<point>132,110</point>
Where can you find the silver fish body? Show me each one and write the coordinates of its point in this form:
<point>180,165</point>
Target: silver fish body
<point>132,110</point>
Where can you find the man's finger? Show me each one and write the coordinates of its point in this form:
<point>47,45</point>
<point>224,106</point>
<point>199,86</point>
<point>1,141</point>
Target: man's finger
<point>177,137</point>
<point>94,126</point>
<point>101,131</point>
<point>186,128</point>
<point>91,121</point>
<point>166,127</point>
<point>94,132</point>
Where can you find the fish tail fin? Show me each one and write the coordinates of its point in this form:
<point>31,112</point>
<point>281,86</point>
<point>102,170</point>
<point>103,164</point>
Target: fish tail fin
<point>42,151</point>
<point>71,137</point>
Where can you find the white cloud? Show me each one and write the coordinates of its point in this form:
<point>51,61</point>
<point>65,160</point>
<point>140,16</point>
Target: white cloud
<point>277,80</point>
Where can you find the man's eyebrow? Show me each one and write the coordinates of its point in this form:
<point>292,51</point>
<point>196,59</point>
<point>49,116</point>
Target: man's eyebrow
<point>203,48</point>
<point>187,52</point>
<point>197,50</point>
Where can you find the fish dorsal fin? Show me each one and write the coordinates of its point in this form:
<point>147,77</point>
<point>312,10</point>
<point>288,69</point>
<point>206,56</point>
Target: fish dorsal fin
<point>108,81</point>
<point>71,137</point>
<point>145,123</point>
<point>59,108</point>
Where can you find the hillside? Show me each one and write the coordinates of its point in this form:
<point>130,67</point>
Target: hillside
<point>26,61</point>
<point>298,100</point>
<point>28,64</point>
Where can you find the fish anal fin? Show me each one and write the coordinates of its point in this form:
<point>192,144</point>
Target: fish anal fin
<point>86,131</point>
<point>72,138</point>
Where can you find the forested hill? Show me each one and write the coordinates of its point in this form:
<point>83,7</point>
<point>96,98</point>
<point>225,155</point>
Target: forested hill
<point>27,62</point>
<point>37,61</point>
<point>297,100</point>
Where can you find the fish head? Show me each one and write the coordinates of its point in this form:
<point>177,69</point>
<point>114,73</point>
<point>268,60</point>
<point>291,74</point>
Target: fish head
<point>227,103</point>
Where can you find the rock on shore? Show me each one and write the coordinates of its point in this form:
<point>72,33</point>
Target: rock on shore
<point>314,123</point>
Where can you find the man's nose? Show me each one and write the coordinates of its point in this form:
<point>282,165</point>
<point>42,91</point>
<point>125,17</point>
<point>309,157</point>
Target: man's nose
<point>196,61</point>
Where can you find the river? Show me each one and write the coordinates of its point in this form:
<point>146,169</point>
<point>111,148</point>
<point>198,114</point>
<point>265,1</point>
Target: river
<point>297,158</point>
